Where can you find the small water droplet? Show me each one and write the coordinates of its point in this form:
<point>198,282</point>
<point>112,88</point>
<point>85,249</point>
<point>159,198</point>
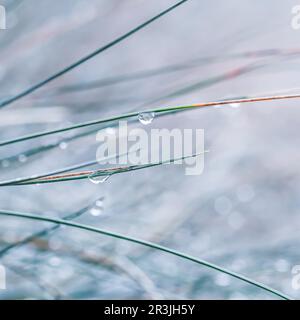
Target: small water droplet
<point>98,179</point>
<point>235,105</point>
<point>22,158</point>
<point>96,212</point>
<point>146,117</point>
<point>63,145</point>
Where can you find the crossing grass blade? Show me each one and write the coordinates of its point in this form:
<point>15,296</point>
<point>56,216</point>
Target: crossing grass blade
<point>88,57</point>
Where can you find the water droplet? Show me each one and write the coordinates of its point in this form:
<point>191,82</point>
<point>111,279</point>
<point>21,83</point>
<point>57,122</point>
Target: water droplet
<point>63,145</point>
<point>235,105</point>
<point>146,117</point>
<point>98,179</point>
<point>96,212</point>
<point>22,158</point>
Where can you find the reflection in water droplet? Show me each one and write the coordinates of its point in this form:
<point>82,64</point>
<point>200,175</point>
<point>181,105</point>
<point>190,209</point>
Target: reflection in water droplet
<point>146,117</point>
<point>98,179</point>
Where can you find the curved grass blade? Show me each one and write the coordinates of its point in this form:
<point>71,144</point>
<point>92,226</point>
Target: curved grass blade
<point>145,74</point>
<point>91,173</point>
<point>55,172</point>
<point>147,244</point>
<point>156,111</point>
<point>47,147</point>
<point>209,82</point>
<point>45,231</point>
<point>199,85</point>
<point>88,57</point>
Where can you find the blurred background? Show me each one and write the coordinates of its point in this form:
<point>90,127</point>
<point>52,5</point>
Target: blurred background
<point>242,213</point>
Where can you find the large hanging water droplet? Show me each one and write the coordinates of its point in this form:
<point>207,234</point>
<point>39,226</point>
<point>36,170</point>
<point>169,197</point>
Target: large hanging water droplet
<point>98,179</point>
<point>146,117</point>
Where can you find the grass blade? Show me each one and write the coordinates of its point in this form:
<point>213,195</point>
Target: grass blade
<point>87,174</point>
<point>147,244</point>
<point>156,111</point>
<point>88,57</point>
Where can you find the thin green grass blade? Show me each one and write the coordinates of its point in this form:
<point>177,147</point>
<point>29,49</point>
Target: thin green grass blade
<point>147,244</point>
<point>88,57</point>
<point>59,171</point>
<point>144,74</point>
<point>89,174</point>
<point>156,111</point>
<point>45,231</point>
